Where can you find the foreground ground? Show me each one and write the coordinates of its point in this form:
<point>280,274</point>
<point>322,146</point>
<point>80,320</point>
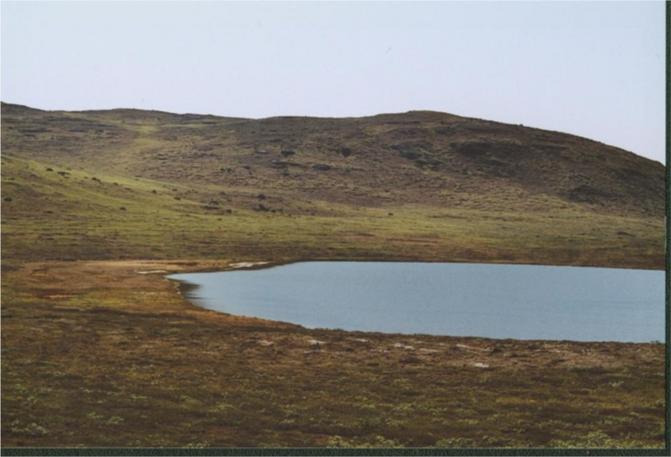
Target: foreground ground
<point>108,353</point>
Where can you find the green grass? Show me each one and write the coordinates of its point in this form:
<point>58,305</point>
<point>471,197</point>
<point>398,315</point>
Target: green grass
<point>52,216</point>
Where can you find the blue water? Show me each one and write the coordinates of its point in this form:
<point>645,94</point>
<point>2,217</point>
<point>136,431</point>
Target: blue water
<point>497,301</point>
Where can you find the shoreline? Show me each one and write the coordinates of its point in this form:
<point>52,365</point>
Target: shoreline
<point>184,287</point>
<point>259,265</point>
<point>125,351</point>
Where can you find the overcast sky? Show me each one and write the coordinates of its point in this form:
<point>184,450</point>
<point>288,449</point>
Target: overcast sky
<point>592,69</point>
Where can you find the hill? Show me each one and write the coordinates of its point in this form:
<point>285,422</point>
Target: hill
<point>418,185</point>
<point>106,342</point>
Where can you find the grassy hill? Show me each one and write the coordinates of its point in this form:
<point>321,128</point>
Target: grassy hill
<point>105,352</point>
<point>418,185</point>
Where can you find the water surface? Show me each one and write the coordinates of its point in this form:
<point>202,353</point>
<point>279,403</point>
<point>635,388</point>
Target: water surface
<point>497,301</point>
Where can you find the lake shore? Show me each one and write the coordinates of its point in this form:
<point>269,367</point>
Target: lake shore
<point>504,301</point>
<point>108,353</point>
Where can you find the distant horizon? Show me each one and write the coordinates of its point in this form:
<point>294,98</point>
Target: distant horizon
<point>229,116</point>
<point>590,69</point>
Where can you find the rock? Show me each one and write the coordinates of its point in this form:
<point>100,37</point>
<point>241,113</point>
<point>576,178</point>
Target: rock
<point>151,272</point>
<point>246,264</point>
<point>472,348</point>
<point>404,346</point>
<point>410,359</point>
<point>360,340</point>
<point>345,151</point>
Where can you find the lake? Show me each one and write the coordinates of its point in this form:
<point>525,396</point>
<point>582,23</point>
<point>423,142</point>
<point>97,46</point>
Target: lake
<point>486,300</point>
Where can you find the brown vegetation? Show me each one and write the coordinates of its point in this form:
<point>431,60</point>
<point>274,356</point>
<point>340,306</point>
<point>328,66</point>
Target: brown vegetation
<point>108,354</point>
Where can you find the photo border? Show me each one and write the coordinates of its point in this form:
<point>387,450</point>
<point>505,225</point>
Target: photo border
<point>325,451</point>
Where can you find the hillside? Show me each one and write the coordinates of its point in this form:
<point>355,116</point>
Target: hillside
<point>417,185</point>
<point>99,349</point>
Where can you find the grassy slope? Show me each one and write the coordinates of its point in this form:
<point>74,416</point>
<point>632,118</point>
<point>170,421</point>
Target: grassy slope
<point>53,215</point>
<point>97,354</point>
<point>419,185</point>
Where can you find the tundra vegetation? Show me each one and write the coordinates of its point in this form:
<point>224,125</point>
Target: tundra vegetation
<point>99,349</point>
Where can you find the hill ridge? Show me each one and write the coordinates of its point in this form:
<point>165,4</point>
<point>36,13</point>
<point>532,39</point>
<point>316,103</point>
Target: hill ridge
<point>8,105</point>
<point>556,196</point>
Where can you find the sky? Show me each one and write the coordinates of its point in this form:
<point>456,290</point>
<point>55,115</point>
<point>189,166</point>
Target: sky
<point>594,69</point>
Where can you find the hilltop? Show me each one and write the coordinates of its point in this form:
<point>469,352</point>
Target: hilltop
<point>417,185</point>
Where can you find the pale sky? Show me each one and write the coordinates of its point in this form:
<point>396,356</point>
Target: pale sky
<point>595,69</point>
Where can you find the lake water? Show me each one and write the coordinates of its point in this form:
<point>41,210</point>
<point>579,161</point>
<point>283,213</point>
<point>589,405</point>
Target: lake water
<point>497,301</point>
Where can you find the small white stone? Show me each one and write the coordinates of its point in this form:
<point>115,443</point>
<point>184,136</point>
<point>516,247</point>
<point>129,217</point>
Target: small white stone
<point>404,346</point>
<point>360,340</point>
